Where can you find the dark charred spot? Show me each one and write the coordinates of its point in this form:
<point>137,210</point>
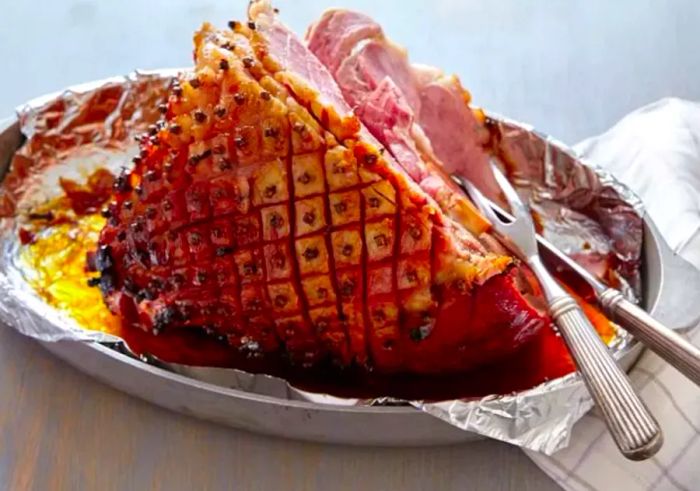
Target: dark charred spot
<point>240,141</point>
<point>195,159</point>
<point>155,284</point>
<point>347,288</point>
<point>165,317</point>
<point>340,207</point>
<point>146,294</point>
<point>248,61</point>
<point>142,256</point>
<point>373,202</point>
<point>195,238</point>
<point>130,287</point>
<point>151,175</point>
<point>200,116</point>
<point>177,90</point>
<point>412,275</point>
<point>299,127</point>
<point>138,190</point>
<point>168,166</point>
<point>143,153</point>
<point>381,240</point>
<point>152,129</point>
<point>251,25</point>
<point>162,108</point>
<point>340,168</point>
<point>128,205</point>
<point>225,164</point>
<point>93,282</point>
<point>137,226</point>
<point>416,334</point>
<point>200,277</point>
<point>415,232</point>
<point>229,46</point>
<point>233,25</point>
<point>103,259</point>
<point>121,184</point>
<point>276,220</point>
<point>223,251</point>
<point>195,83</point>
<point>175,129</point>
<point>239,98</point>
<point>177,279</point>
<point>309,217</point>
<point>250,268</point>
<point>311,253</point>
<point>224,65</point>
<point>270,191</point>
<point>281,300</point>
<point>265,95</point>
<point>278,260</point>
<point>370,159</point>
<point>106,213</point>
<point>322,293</point>
<point>271,132</point>
<point>220,111</point>
<point>151,212</point>
<point>107,283</point>
<point>347,250</point>
<point>137,160</point>
<point>121,236</point>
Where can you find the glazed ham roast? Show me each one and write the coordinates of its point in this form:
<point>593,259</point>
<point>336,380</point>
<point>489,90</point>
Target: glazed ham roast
<point>289,215</point>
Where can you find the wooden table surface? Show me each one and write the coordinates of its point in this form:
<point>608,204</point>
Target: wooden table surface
<point>571,68</point>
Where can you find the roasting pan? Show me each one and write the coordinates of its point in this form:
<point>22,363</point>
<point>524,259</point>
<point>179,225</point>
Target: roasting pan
<point>670,286</point>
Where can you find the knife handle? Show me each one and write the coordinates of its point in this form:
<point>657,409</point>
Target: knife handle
<point>663,341</point>
<point>633,428</point>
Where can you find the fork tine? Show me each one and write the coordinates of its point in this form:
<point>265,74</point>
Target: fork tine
<point>480,201</point>
<point>517,206</point>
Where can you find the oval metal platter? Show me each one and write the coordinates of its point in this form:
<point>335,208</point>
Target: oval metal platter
<point>670,285</point>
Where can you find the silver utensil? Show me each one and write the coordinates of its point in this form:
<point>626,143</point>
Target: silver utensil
<point>665,342</point>
<point>633,428</point>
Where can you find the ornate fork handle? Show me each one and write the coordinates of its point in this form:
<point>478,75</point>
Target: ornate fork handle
<point>633,428</point>
<point>663,341</point>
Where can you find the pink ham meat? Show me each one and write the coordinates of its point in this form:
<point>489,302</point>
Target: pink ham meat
<point>263,212</point>
<point>354,49</point>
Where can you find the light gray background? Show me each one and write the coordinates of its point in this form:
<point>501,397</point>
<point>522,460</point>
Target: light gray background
<point>571,68</point>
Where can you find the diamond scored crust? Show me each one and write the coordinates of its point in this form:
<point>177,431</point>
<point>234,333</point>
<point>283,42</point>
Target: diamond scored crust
<point>263,211</point>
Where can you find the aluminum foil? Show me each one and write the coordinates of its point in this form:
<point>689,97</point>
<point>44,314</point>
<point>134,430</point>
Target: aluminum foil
<point>584,211</point>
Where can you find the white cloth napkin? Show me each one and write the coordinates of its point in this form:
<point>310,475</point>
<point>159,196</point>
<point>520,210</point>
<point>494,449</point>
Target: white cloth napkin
<point>656,151</point>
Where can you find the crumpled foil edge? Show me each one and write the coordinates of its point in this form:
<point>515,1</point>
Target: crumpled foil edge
<point>538,419</point>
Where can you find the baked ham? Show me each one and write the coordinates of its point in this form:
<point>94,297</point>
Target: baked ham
<point>262,211</point>
<point>365,64</point>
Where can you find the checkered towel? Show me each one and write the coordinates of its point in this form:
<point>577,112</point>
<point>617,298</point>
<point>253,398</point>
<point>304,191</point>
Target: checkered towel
<point>656,151</point>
